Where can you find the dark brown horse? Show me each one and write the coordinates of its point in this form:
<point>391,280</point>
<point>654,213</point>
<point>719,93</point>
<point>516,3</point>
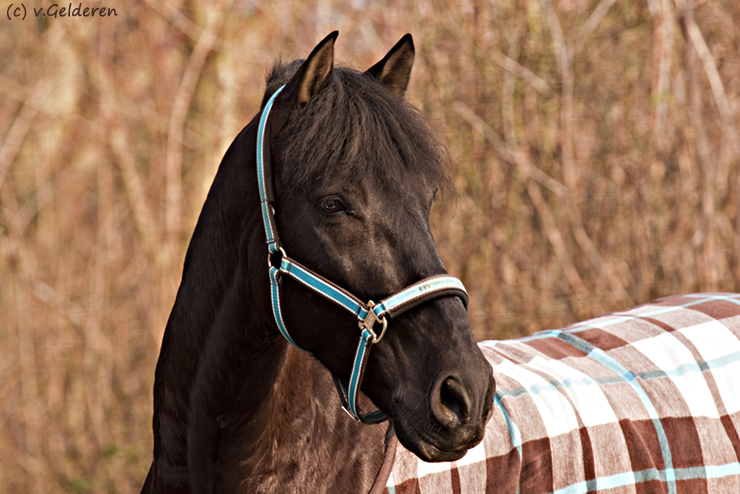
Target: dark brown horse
<point>355,171</point>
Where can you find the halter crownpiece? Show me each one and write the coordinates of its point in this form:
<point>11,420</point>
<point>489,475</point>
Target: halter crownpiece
<point>372,318</point>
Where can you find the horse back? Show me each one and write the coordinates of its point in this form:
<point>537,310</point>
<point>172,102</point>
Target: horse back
<point>645,400</point>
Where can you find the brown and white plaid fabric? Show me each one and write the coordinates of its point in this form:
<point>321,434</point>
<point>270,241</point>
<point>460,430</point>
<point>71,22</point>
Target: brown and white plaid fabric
<point>641,401</point>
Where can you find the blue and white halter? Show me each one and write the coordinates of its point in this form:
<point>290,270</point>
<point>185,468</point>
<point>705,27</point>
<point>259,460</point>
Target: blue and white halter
<point>368,315</point>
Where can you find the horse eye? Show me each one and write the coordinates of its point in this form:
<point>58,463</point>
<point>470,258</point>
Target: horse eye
<point>332,206</point>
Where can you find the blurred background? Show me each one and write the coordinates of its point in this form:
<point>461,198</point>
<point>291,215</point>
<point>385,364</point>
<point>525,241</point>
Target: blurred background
<point>594,148</point>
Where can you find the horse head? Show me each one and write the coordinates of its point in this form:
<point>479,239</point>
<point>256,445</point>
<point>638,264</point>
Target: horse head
<point>355,172</point>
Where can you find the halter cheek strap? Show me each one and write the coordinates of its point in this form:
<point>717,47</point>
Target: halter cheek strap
<point>372,318</point>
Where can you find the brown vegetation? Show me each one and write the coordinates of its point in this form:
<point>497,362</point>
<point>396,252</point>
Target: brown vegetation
<point>595,149</point>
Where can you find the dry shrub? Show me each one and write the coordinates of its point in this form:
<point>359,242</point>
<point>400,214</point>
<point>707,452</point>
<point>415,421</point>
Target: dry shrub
<point>594,145</point>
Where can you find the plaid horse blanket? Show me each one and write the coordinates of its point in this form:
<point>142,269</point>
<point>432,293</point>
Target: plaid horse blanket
<point>641,401</point>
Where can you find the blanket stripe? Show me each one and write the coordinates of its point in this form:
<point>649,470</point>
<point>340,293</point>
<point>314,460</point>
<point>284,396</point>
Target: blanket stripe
<point>641,401</point>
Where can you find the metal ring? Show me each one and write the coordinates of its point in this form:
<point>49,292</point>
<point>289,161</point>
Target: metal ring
<point>376,339</point>
<point>270,254</point>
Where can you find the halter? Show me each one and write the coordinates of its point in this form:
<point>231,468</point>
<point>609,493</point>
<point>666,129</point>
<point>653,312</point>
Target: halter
<point>370,315</point>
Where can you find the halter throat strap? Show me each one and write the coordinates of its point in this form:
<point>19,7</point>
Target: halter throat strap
<point>372,318</point>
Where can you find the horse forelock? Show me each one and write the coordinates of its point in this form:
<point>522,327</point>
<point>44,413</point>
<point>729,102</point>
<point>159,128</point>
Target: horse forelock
<point>355,128</point>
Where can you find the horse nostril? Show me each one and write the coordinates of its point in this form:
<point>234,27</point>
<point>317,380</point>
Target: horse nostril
<point>453,403</point>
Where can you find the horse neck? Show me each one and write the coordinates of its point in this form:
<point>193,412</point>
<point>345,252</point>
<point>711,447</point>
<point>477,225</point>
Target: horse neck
<point>213,306</point>
<point>300,440</point>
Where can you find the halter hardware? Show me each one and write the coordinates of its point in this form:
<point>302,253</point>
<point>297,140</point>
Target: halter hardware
<point>370,320</point>
<point>270,254</point>
<point>368,314</point>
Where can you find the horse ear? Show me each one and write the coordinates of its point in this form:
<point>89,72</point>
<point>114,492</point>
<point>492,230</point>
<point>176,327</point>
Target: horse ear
<point>394,71</point>
<point>314,74</point>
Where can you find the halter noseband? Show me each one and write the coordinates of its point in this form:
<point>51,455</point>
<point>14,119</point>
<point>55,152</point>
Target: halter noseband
<point>368,315</point>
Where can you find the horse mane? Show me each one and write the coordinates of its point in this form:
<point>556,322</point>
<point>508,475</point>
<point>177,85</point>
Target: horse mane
<point>350,128</point>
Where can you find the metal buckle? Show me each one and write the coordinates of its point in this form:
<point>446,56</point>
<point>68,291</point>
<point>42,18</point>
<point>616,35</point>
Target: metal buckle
<point>369,322</point>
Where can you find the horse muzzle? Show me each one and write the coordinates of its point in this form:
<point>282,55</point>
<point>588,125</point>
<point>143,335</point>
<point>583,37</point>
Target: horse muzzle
<point>457,415</point>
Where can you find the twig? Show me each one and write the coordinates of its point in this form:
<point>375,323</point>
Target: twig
<point>708,171</point>
<point>507,96</point>
<point>506,153</point>
<point>42,198</point>
<point>117,135</point>
<point>664,35</point>
<point>31,107</point>
<point>556,240</point>
<point>564,55</point>
<point>182,22</point>
<point>563,58</point>
<point>134,184</point>
<point>21,125</point>
<point>522,72</point>
<point>595,18</point>
<point>51,297</point>
<point>173,167</point>
<point>540,204</point>
<point>557,33</point>
<point>710,68</point>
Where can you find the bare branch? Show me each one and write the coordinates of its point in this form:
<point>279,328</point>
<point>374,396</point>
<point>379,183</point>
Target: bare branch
<point>540,204</point>
<point>664,35</point>
<point>182,22</point>
<point>522,72</point>
<point>595,18</point>
<point>31,107</point>
<point>21,126</point>
<point>506,153</point>
<point>173,170</point>
<point>135,189</point>
<point>710,68</point>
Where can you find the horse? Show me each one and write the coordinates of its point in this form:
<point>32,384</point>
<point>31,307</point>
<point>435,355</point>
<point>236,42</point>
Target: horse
<point>645,400</point>
<point>269,339</point>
